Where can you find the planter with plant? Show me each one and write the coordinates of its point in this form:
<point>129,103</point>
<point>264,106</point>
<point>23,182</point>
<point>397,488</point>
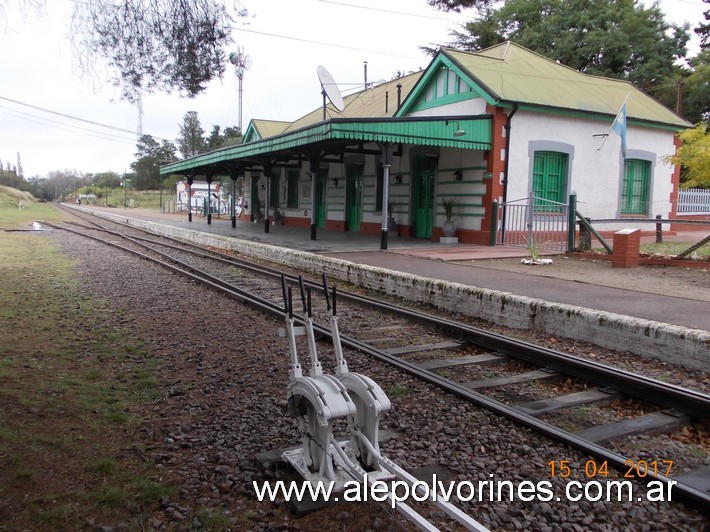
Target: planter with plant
<point>449,226</point>
<point>391,223</point>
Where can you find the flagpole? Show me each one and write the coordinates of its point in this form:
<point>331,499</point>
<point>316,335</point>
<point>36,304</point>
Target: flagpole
<point>615,119</point>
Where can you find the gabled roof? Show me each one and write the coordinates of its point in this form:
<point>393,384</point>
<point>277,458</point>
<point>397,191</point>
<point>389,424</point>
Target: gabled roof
<point>509,74</point>
<point>260,129</point>
<point>375,102</point>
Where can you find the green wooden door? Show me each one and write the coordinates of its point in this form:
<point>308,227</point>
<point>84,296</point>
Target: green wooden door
<point>424,183</point>
<point>321,204</point>
<point>353,196</point>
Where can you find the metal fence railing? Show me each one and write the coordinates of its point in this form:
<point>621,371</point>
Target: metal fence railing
<point>694,201</point>
<point>534,223</point>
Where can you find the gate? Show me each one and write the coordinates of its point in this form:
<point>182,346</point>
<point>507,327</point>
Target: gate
<point>534,223</point>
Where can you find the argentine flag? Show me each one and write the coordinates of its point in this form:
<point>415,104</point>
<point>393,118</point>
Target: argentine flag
<point>619,126</point>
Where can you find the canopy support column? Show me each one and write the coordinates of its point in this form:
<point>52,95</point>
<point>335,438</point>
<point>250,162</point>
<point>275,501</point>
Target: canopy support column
<point>314,168</point>
<point>386,151</point>
<point>208,177</point>
<point>190,180</point>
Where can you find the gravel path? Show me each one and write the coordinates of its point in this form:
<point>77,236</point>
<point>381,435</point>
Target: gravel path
<point>224,372</point>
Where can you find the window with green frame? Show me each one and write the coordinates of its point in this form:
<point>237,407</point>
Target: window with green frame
<point>549,181</point>
<point>292,177</point>
<point>635,186</point>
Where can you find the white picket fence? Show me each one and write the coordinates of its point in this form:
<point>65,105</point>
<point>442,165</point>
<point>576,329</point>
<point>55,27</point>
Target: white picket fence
<point>694,201</point>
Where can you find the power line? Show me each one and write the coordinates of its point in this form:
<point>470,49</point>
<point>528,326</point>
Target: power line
<point>65,127</point>
<point>321,43</point>
<point>45,110</point>
<point>427,17</point>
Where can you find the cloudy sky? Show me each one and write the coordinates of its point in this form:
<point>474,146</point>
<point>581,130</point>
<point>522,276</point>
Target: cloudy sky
<point>41,97</point>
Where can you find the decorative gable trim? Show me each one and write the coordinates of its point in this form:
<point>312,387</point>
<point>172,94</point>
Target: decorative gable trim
<point>444,82</point>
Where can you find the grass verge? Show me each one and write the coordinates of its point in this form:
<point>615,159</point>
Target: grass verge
<point>71,386</point>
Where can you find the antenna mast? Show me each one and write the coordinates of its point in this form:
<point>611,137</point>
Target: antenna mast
<point>241,63</point>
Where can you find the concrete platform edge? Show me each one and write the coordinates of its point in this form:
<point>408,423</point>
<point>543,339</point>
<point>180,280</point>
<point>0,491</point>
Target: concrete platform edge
<point>671,343</point>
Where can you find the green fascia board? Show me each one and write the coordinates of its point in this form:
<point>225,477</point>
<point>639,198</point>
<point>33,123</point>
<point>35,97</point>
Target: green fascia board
<point>483,90</point>
<point>419,131</point>
<point>251,134</point>
<point>415,99</point>
<point>425,131</point>
<point>593,115</point>
<point>443,100</point>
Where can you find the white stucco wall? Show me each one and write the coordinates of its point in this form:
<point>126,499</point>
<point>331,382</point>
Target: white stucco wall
<point>475,106</point>
<point>595,163</point>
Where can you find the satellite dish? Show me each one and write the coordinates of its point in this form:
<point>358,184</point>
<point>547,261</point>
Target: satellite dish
<point>331,88</point>
<point>239,60</point>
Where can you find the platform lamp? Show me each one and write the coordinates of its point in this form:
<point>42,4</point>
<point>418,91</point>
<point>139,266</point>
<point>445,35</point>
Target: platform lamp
<point>459,132</point>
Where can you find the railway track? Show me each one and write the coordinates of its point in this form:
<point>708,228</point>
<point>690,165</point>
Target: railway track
<point>474,364</point>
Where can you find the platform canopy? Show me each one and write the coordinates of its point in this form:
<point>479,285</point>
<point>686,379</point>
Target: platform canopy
<point>336,136</point>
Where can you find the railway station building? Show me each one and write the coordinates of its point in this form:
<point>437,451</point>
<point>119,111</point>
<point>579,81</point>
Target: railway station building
<point>479,130</point>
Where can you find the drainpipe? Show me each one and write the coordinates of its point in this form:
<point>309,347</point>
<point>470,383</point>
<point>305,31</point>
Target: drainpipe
<point>505,171</point>
<point>507,151</point>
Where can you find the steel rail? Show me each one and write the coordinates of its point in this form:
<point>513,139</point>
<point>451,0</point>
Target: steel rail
<point>688,494</point>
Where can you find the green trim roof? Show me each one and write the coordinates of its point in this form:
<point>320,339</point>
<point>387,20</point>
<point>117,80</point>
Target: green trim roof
<point>377,101</point>
<point>508,74</point>
<point>505,75</point>
<point>260,129</point>
<point>433,132</point>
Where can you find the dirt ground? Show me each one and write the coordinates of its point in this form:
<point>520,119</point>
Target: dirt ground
<point>688,282</point>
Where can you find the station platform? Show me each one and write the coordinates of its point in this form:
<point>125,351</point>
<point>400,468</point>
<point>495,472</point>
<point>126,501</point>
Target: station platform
<point>488,267</point>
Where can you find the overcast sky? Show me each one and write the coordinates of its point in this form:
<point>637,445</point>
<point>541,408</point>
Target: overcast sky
<point>285,39</point>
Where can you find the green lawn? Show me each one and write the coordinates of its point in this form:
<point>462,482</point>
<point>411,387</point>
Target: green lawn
<point>72,385</point>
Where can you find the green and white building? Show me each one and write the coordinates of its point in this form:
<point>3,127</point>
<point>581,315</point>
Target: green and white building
<point>486,128</point>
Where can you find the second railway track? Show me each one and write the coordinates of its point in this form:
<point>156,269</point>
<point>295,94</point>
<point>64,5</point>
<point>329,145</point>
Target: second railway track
<point>472,363</point>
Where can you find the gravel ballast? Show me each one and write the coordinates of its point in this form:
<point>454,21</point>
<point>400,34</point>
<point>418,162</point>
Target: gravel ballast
<point>223,373</point>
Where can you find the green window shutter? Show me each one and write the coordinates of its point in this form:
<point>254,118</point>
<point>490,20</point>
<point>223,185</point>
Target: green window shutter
<point>634,189</point>
<point>292,195</point>
<point>549,180</point>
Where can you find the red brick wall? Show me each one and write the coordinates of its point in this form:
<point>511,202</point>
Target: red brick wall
<point>626,249</point>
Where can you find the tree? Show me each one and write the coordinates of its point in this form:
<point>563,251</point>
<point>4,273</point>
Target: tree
<point>214,141</point>
<point>149,158</point>
<point>64,182</point>
<point>613,38</point>
<point>218,139</point>
<point>191,141</point>
<point>156,45</point>
<point>106,180</point>
<point>458,5</point>
<point>696,89</point>
<point>703,30</point>
<point>694,157</point>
